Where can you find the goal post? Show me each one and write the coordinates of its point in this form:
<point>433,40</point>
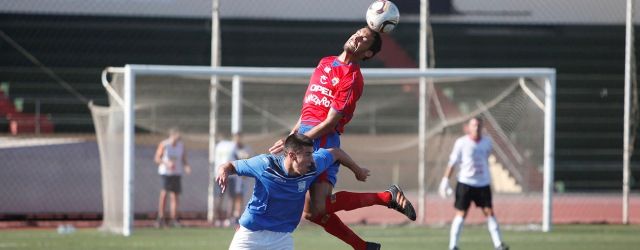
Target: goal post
<point>443,115</point>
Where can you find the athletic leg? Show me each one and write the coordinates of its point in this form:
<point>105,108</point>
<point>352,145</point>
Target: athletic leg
<point>347,201</point>
<point>493,226</point>
<point>461,204</point>
<point>161,205</point>
<point>456,228</point>
<point>321,189</point>
<point>331,223</point>
<point>392,198</point>
<point>173,196</point>
<point>484,200</point>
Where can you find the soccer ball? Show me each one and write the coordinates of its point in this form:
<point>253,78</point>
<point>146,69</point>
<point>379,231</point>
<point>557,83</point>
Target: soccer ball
<point>383,16</point>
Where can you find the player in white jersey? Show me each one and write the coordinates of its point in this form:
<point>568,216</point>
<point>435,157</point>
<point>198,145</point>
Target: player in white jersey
<point>226,150</point>
<point>171,158</point>
<point>470,155</point>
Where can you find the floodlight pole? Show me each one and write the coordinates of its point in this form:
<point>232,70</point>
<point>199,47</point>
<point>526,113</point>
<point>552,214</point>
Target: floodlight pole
<point>629,74</point>
<point>213,113</point>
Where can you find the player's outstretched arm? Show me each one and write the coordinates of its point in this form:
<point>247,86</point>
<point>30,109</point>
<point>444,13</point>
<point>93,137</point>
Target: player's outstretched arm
<point>224,171</point>
<point>277,147</point>
<point>342,157</point>
<point>185,163</point>
<point>325,127</point>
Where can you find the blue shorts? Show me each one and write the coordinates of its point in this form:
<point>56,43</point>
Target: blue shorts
<point>326,141</point>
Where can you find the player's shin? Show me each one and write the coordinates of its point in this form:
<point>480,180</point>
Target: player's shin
<point>334,226</point>
<point>346,201</point>
<point>494,230</point>
<point>456,229</point>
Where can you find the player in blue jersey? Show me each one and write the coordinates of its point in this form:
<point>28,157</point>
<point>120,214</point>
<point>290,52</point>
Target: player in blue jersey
<point>278,198</point>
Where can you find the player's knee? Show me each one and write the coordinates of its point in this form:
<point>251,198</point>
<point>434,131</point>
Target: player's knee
<point>308,216</point>
<point>316,211</point>
<point>461,213</point>
<point>318,219</point>
<point>488,211</point>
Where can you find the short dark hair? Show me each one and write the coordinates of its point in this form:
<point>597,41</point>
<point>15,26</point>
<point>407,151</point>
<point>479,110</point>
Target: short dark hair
<point>295,142</point>
<point>376,46</point>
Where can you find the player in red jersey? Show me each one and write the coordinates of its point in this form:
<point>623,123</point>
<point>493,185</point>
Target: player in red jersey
<point>328,105</point>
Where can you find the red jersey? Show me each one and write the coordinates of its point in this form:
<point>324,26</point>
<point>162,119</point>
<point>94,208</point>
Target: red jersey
<point>333,85</point>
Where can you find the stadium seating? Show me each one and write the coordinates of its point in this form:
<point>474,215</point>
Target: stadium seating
<point>6,106</point>
<point>19,122</point>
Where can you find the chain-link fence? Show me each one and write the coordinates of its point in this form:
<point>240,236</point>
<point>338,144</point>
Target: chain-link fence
<point>53,53</point>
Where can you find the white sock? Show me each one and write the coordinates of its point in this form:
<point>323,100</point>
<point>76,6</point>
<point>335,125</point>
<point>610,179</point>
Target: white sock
<point>456,229</point>
<point>494,230</point>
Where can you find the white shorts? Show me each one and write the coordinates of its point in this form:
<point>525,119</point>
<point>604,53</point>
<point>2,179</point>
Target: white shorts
<point>261,240</point>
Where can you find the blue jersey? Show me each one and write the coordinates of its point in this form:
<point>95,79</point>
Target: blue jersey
<point>278,198</point>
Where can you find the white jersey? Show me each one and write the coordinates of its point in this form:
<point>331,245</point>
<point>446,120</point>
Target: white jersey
<point>172,153</point>
<point>228,151</point>
<point>472,159</point>
<point>224,153</point>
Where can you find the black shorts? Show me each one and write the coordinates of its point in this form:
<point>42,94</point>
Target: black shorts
<point>481,196</point>
<point>171,183</point>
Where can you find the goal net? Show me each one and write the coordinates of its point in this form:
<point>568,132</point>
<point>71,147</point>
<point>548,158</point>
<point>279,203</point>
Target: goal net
<point>384,135</point>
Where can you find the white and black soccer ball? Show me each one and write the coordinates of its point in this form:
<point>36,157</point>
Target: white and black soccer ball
<point>382,16</point>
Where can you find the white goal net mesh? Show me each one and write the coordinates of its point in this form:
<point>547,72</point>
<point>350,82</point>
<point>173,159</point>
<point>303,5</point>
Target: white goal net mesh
<point>383,136</point>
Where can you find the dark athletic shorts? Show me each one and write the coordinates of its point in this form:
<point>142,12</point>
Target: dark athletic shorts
<point>481,196</point>
<point>171,183</point>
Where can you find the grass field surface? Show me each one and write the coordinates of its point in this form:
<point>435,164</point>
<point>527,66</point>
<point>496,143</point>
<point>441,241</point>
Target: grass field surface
<point>583,237</point>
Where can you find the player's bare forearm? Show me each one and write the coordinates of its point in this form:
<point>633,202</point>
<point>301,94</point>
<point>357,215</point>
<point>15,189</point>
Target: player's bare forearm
<point>320,130</point>
<point>295,127</point>
<point>184,158</point>
<point>158,156</point>
<point>448,171</point>
<point>224,171</point>
<point>325,127</point>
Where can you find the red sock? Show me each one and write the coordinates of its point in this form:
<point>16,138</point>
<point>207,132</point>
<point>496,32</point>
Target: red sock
<point>348,201</point>
<point>333,225</point>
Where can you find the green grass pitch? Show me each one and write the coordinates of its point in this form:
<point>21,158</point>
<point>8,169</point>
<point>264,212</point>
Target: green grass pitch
<point>583,237</point>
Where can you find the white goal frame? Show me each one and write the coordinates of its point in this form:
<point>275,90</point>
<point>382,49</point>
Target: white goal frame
<point>131,71</point>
